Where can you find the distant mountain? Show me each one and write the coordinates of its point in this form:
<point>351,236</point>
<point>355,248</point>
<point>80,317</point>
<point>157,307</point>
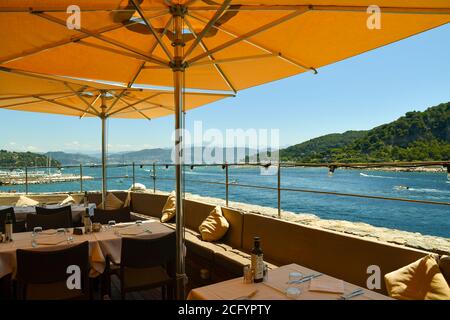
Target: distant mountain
<point>193,155</point>
<point>142,156</point>
<point>417,136</point>
<point>70,159</point>
<point>22,159</point>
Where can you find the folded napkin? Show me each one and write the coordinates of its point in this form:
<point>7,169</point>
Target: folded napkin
<point>49,241</point>
<point>49,232</point>
<point>132,231</point>
<point>326,284</point>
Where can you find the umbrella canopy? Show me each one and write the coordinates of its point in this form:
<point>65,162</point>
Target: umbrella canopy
<point>27,91</point>
<point>204,44</point>
<point>229,44</point>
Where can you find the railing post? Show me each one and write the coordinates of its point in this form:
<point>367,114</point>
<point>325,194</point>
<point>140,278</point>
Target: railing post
<point>26,179</point>
<point>226,184</point>
<point>154,178</point>
<point>81,178</point>
<point>134,175</point>
<point>278,189</point>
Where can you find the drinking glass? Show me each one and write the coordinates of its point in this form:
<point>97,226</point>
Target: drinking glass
<point>34,234</point>
<point>248,274</point>
<point>295,276</point>
<point>293,292</point>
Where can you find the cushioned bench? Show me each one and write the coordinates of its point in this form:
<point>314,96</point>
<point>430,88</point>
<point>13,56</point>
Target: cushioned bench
<point>343,256</point>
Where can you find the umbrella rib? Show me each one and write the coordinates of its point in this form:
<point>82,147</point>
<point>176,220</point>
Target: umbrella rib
<point>120,52</point>
<point>82,99</point>
<point>198,38</point>
<point>31,102</point>
<point>64,42</point>
<point>115,101</point>
<point>135,109</point>
<point>211,58</point>
<point>236,59</point>
<point>31,95</point>
<point>62,104</point>
<point>104,39</point>
<point>260,47</point>
<point>133,104</point>
<point>152,30</point>
<point>250,34</point>
<point>91,105</point>
<point>330,8</point>
<point>155,44</point>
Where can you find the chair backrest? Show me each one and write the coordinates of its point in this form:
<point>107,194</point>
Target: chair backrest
<point>49,221</point>
<point>146,253</point>
<point>3,214</point>
<point>118,215</point>
<point>47,267</point>
<point>42,210</point>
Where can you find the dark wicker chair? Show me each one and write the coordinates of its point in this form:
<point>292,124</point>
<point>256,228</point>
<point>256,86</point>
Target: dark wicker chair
<point>118,215</point>
<point>42,210</point>
<point>49,221</point>
<point>138,271</point>
<point>43,275</point>
<point>18,226</point>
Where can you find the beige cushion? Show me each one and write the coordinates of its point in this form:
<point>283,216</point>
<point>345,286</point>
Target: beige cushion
<point>169,210</point>
<point>215,225</point>
<point>127,200</point>
<point>444,265</point>
<point>420,280</point>
<point>67,201</point>
<point>26,202</point>
<point>112,202</point>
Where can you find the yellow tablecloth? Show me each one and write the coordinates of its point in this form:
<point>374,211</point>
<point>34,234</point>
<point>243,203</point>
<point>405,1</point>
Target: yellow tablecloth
<point>101,244</point>
<point>274,288</point>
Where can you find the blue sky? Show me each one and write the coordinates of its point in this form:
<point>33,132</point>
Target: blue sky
<point>358,93</point>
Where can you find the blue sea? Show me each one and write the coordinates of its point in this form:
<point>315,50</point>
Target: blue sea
<point>423,218</point>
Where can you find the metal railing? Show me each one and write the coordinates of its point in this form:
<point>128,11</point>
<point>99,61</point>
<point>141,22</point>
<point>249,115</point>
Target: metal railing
<point>226,181</point>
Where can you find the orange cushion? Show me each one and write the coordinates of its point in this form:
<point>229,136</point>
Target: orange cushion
<point>215,225</point>
<point>169,209</point>
<point>420,280</point>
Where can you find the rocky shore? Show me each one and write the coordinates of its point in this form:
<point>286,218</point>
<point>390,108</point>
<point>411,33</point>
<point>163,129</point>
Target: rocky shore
<point>409,239</point>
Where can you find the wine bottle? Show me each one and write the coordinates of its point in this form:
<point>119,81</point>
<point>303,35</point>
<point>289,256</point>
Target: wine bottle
<point>257,263</point>
<point>8,227</point>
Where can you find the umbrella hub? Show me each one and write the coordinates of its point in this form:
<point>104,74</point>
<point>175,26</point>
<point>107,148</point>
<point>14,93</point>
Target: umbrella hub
<point>178,10</point>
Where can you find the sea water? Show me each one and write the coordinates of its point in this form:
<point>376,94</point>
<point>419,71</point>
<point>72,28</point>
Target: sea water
<point>414,217</point>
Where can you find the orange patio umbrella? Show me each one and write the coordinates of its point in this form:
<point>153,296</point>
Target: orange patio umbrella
<point>226,45</point>
<point>26,91</point>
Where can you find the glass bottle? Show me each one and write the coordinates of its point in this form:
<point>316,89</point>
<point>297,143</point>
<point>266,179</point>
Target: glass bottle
<point>257,263</point>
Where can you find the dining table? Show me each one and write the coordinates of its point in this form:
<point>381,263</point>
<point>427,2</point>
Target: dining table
<point>280,285</point>
<point>106,242</point>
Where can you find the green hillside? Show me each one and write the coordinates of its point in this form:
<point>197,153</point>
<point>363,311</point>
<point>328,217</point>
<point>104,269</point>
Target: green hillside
<point>22,159</point>
<point>417,136</point>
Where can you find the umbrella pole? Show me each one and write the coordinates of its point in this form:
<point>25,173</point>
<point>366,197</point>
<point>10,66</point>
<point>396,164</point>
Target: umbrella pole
<point>104,187</point>
<point>178,74</point>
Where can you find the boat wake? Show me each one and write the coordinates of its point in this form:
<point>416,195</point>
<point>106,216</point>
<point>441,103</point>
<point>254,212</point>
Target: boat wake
<point>375,176</point>
<point>429,190</point>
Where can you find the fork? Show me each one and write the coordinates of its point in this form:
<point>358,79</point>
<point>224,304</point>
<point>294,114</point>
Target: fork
<point>355,293</point>
<point>247,297</point>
